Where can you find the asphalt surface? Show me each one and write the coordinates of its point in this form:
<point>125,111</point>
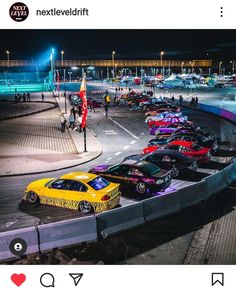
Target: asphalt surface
<point>171,236</point>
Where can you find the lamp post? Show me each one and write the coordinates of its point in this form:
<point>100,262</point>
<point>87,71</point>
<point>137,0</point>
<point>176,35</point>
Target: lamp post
<point>52,66</point>
<point>182,65</point>
<point>62,57</point>
<point>191,64</point>
<point>233,65</point>
<point>161,58</point>
<point>113,64</point>
<point>65,89</point>
<point>70,73</point>
<point>220,64</point>
<point>8,57</point>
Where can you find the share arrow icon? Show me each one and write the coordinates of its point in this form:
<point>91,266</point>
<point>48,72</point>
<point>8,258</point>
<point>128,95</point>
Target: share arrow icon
<point>76,278</point>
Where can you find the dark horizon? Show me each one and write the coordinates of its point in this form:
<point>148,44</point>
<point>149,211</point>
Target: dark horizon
<point>128,44</point>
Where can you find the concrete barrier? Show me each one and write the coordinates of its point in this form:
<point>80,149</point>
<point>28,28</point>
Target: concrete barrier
<point>159,206</point>
<point>29,235</point>
<point>216,183</point>
<point>68,232</point>
<point>193,194</point>
<point>230,173</point>
<point>119,219</point>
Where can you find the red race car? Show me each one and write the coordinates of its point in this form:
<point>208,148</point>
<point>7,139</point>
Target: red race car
<point>166,121</point>
<point>150,149</point>
<point>190,149</point>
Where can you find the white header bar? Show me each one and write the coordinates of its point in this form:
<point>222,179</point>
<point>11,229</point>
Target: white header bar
<point>138,14</point>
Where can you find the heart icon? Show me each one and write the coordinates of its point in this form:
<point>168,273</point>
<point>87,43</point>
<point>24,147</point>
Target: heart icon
<point>18,279</point>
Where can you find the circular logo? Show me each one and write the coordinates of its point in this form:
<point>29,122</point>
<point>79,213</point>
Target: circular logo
<point>19,11</point>
<point>18,247</point>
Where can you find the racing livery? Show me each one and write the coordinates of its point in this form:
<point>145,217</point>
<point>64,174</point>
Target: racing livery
<point>78,190</point>
<point>141,176</point>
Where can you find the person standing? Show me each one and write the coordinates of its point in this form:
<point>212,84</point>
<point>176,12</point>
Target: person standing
<point>74,112</point>
<point>93,105</point>
<point>63,122</point>
<point>28,97</point>
<point>130,104</point>
<point>80,124</point>
<point>106,109</point>
<point>79,110</point>
<point>42,95</point>
<point>71,120</point>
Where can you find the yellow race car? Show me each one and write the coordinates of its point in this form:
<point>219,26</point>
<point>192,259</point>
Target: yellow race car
<point>77,190</point>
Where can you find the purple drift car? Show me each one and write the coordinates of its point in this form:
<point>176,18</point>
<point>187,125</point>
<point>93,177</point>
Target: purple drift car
<point>139,176</point>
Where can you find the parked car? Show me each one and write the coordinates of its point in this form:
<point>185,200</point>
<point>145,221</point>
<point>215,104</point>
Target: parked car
<point>81,191</point>
<point>166,121</point>
<point>139,176</point>
<point>202,154</point>
<point>182,135</point>
<point>178,163</point>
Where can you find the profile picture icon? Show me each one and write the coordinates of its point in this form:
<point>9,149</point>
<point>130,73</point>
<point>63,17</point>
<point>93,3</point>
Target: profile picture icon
<point>18,247</point>
<point>19,11</point>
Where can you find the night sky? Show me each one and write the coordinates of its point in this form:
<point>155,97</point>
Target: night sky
<point>128,44</point>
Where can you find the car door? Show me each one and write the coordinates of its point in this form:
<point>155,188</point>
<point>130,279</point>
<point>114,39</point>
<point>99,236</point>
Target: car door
<point>113,174</point>
<point>156,159</point>
<point>131,175</point>
<point>54,193</point>
<point>75,193</point>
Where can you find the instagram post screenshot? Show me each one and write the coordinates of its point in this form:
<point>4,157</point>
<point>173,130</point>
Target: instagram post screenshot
<point>117,146</point>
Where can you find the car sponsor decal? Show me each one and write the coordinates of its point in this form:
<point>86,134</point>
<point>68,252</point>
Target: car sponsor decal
<point>59,202</point>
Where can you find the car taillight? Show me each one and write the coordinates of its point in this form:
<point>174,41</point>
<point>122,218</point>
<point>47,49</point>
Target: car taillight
<point>105,198</point>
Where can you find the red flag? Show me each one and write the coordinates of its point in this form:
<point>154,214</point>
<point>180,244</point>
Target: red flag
<point>82,94</point>
<point>58,81</point>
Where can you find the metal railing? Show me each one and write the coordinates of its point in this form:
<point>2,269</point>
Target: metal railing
<point>109,63</point>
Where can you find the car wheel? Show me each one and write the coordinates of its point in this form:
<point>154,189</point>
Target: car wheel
<point>141,188</point>
<point>85,206</point>
<point>32,197</point>
<point>175,172</point>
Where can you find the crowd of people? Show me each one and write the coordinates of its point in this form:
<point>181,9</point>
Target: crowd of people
<point>193,102</point>
<point>25,97</point>
<point>74,120</point>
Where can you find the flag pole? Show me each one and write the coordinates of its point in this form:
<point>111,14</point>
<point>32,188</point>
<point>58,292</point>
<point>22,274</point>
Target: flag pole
<point>85,138</point>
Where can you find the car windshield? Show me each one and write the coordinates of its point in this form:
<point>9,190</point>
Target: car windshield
<point>196,147</point>
<point>98,183</point>
<point>152,143</point>
<point>149,168</point>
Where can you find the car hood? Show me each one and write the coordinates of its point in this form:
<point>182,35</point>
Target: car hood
<point>99,168</point>
<point>161,173</point>
<point>39,183</point>
<point>134,157</point>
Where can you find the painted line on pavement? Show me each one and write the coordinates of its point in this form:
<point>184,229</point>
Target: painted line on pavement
<point>132,142</point>
<point>118,153</point>
<point>126,147</point>
<point>123,128</point>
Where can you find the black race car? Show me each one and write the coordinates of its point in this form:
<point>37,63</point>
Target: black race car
<point>141,176</point>
<point>194,137</point>
<point>175,161</point>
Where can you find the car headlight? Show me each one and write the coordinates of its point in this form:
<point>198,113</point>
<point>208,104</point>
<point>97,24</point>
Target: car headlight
<point>160,181</point>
